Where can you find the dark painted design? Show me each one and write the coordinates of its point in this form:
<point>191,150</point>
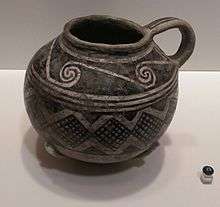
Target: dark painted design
<point>112,134</point>
<point>147,127</point>
<point>71,130</point>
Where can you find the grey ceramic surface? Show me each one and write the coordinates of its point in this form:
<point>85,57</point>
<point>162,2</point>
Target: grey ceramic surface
<point>103,91</point>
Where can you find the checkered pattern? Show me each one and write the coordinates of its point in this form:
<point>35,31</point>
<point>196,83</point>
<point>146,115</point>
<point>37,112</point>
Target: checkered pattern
<point>112,134</point>
<point>147,127</point>
<point>72,131</point>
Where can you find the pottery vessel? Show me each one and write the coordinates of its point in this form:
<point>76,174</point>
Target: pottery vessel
<point>103,91</point>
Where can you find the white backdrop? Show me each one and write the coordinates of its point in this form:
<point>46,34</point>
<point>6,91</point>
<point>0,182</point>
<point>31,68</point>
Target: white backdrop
<point>25,25</point>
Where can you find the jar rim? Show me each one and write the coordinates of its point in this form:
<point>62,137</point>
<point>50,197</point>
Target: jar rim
<point>127,47</point>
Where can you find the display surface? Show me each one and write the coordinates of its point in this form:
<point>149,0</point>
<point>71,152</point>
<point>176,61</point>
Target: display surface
<point>103,91</point>
<point>169,176</point>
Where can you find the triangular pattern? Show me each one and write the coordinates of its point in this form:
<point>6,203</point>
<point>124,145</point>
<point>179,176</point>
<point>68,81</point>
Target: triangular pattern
<point>111,134</point>
<point>91,117</point>
<point>129,115</point>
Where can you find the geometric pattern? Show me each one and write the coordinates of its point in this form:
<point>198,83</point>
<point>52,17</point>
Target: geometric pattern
<point>112,134</point>
<point>100,134</point>
<point>71,131</point>
<point>147,127</point>
<point>108,134</point>
<point>70,93</point>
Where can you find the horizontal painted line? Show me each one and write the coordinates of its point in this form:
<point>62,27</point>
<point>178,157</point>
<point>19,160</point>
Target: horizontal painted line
<point>185,70</point>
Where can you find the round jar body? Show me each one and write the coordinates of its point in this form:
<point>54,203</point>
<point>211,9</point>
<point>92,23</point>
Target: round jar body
<point>101,103</point>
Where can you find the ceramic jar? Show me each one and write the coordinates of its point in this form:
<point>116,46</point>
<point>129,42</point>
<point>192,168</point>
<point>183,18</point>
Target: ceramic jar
<point>103,91</point>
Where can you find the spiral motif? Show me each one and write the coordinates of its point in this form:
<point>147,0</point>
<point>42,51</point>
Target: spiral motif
<point>70,74</point>
<point>145,75</point>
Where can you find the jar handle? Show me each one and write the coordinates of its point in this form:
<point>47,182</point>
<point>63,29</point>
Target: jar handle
<point>188,36</point>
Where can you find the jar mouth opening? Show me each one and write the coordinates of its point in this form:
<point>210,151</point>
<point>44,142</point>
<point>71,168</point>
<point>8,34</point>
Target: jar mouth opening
<point>105,33</point>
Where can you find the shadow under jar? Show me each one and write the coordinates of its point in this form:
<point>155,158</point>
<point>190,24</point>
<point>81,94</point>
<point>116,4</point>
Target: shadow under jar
<point>103,91</point>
